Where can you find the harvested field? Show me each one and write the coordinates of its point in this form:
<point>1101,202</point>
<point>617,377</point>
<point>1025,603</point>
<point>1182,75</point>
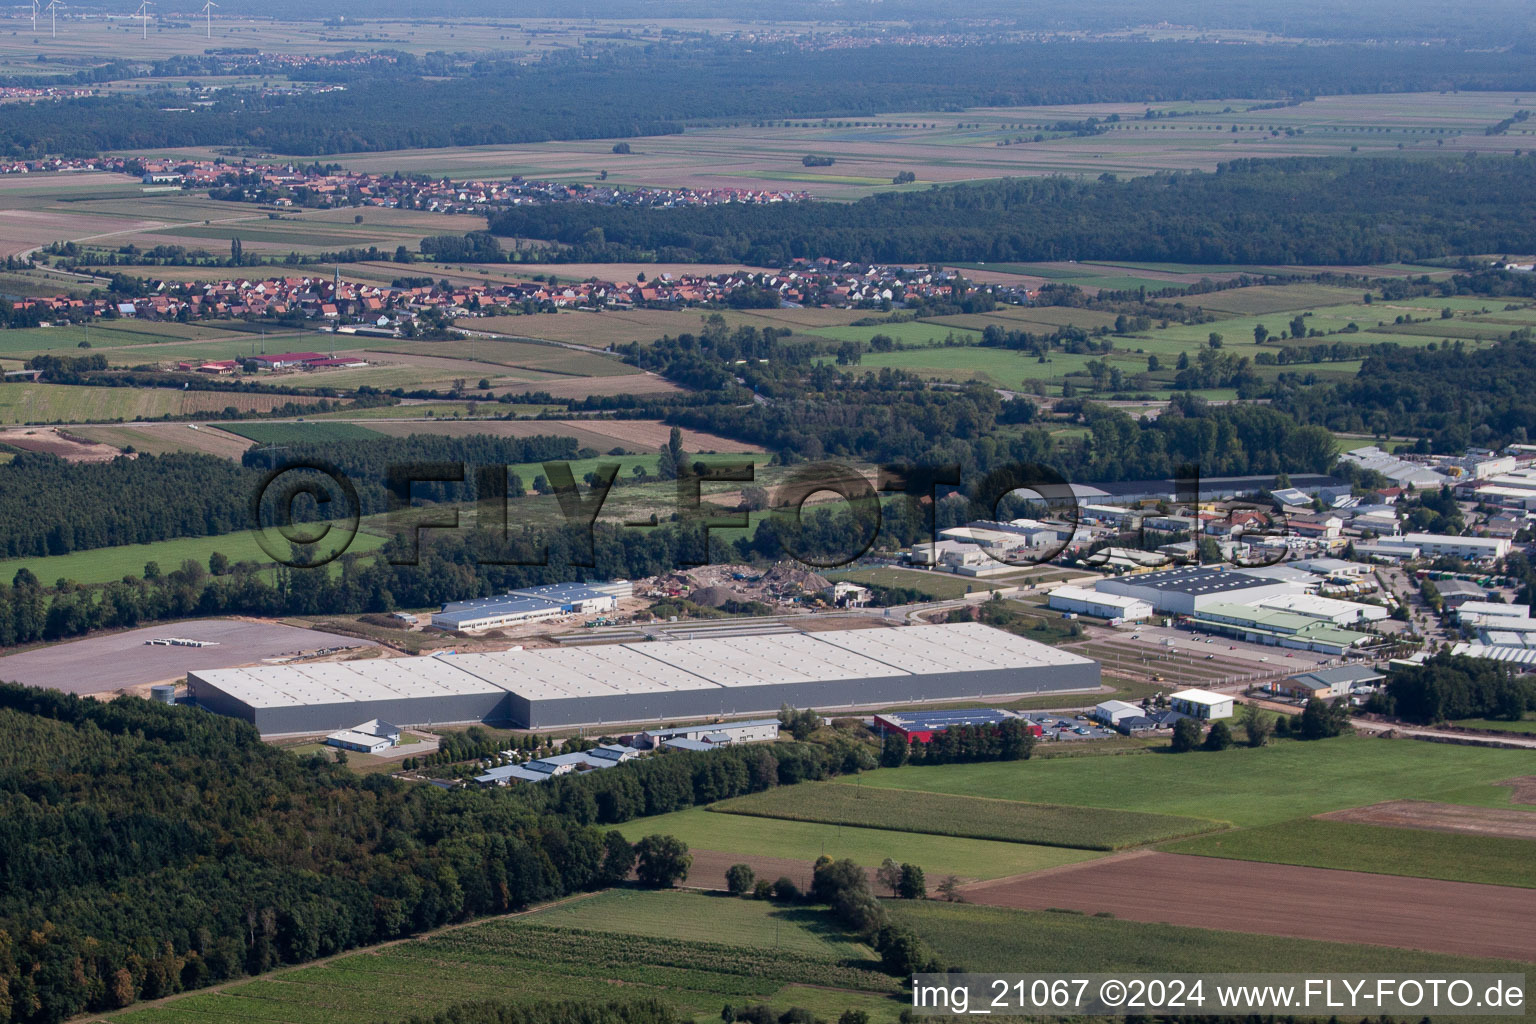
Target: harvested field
<point>627,384</point>
<point>1524,789</point>
<point>52,441</point>
<point>649,435</point>
<point>1421,814</point>
<point>1281,899</point>
<point>163,438</point>
<point>105,664</point>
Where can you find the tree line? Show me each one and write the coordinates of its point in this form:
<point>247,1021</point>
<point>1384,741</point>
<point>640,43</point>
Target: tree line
<point>658,88</point>
<point>147,849</point>
<point>1291,211</point>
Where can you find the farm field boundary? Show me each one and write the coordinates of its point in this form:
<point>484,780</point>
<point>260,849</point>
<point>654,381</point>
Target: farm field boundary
<point>1011,821</point>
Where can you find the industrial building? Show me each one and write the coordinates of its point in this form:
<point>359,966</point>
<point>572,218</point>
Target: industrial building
<point>1326,609</point>
<point>920,727</point>
<point>1100,604</point>
<point>648,681</point>
<point>1258,625</point>
<point>716,734</point>
<point>531,605</point>
<point>1113,712</point>
<point>1434,545</point>
<point>1202,704</point>
<point>1329,683</point>
<point>1187,590</point>
<point>372,737</point>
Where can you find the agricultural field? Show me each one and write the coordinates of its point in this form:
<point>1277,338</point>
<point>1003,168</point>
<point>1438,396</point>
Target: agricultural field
<point>69,403</point>
<point>301,433</point>
<point>1085,828</point>
<point>1000,939</point>
<point>543,955</point>
<point>996,142</point>
<point>1246,787</point>
<point>164,438</point>
<point>1283,899</point>
<point>738,834</point>
<point>704,917</point>
<point>1351,846</point>
<point>104,565</point>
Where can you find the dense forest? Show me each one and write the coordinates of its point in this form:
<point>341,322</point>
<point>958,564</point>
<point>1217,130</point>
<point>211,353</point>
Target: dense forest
<point>53,507</point>
<point>147,849</point>
<point>657,89</point>
<point>1451,396</point>
<point>1292,211</point>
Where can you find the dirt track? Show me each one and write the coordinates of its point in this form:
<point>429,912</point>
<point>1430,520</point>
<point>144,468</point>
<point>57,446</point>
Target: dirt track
<point>1279,899</point>
<point>1421,814</point>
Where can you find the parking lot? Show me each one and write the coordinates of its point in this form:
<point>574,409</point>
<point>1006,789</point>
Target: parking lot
<point>1182,657</point>
<point>1057,727</point>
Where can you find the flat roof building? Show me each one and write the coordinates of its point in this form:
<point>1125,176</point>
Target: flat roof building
<point>1471,548</point>
<point>649,681</point>
<point>1185,590</point>
<point>920,726</point>
<point>1204,704</point>
<point>1100,604</point>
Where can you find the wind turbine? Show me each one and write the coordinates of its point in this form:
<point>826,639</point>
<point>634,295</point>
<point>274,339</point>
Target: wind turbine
<point>54,5</point>
<point>208,10</point>
<point>35,9</point>
<point>143,12</point>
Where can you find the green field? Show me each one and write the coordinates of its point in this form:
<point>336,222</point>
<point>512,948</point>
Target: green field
<point>705,917</point>
<point>805,841</point>
<point>937,586</point>
<point>301,433</point>
<point>104,565</point>
<point>1350,846</point>
<point>1247,787</point>
<point>1525,725</point>
<point>1086,828</point>
<point>543,956</point>
<point>995,939</point>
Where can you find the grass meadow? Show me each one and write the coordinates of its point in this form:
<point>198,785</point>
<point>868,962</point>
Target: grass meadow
<point>973,817</point>
<point>587,949</point>
<point>104,565</point>
<point>1246,787</point>
<point>805,841</point>
<point>1351,846</point>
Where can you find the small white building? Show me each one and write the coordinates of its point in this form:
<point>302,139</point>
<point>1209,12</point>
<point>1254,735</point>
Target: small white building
<point>1100,604</point>
<point>1201,704</point>
<point>718,734</point>
<point>1113,712</point>
<point>371,737</point>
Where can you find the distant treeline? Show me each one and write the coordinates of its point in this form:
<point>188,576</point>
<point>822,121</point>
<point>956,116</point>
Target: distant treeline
<point>1452,397</point>
<point>53,507</point>
<point>1291,211</point>
<point>656,89</point>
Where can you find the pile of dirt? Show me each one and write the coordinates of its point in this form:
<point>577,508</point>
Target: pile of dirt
<point>715,597</point>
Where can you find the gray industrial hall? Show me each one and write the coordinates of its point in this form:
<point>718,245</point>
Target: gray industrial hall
<point>639,683</point>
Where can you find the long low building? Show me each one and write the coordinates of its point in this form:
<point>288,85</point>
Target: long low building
<point>661,680</point>
<point>1100,604</point>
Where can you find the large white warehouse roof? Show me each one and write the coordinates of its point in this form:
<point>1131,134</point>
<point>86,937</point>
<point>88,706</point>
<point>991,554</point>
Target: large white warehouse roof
<point>649,680</point>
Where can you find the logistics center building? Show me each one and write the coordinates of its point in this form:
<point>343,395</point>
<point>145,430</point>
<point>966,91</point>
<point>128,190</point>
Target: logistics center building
<point>657,680</point>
